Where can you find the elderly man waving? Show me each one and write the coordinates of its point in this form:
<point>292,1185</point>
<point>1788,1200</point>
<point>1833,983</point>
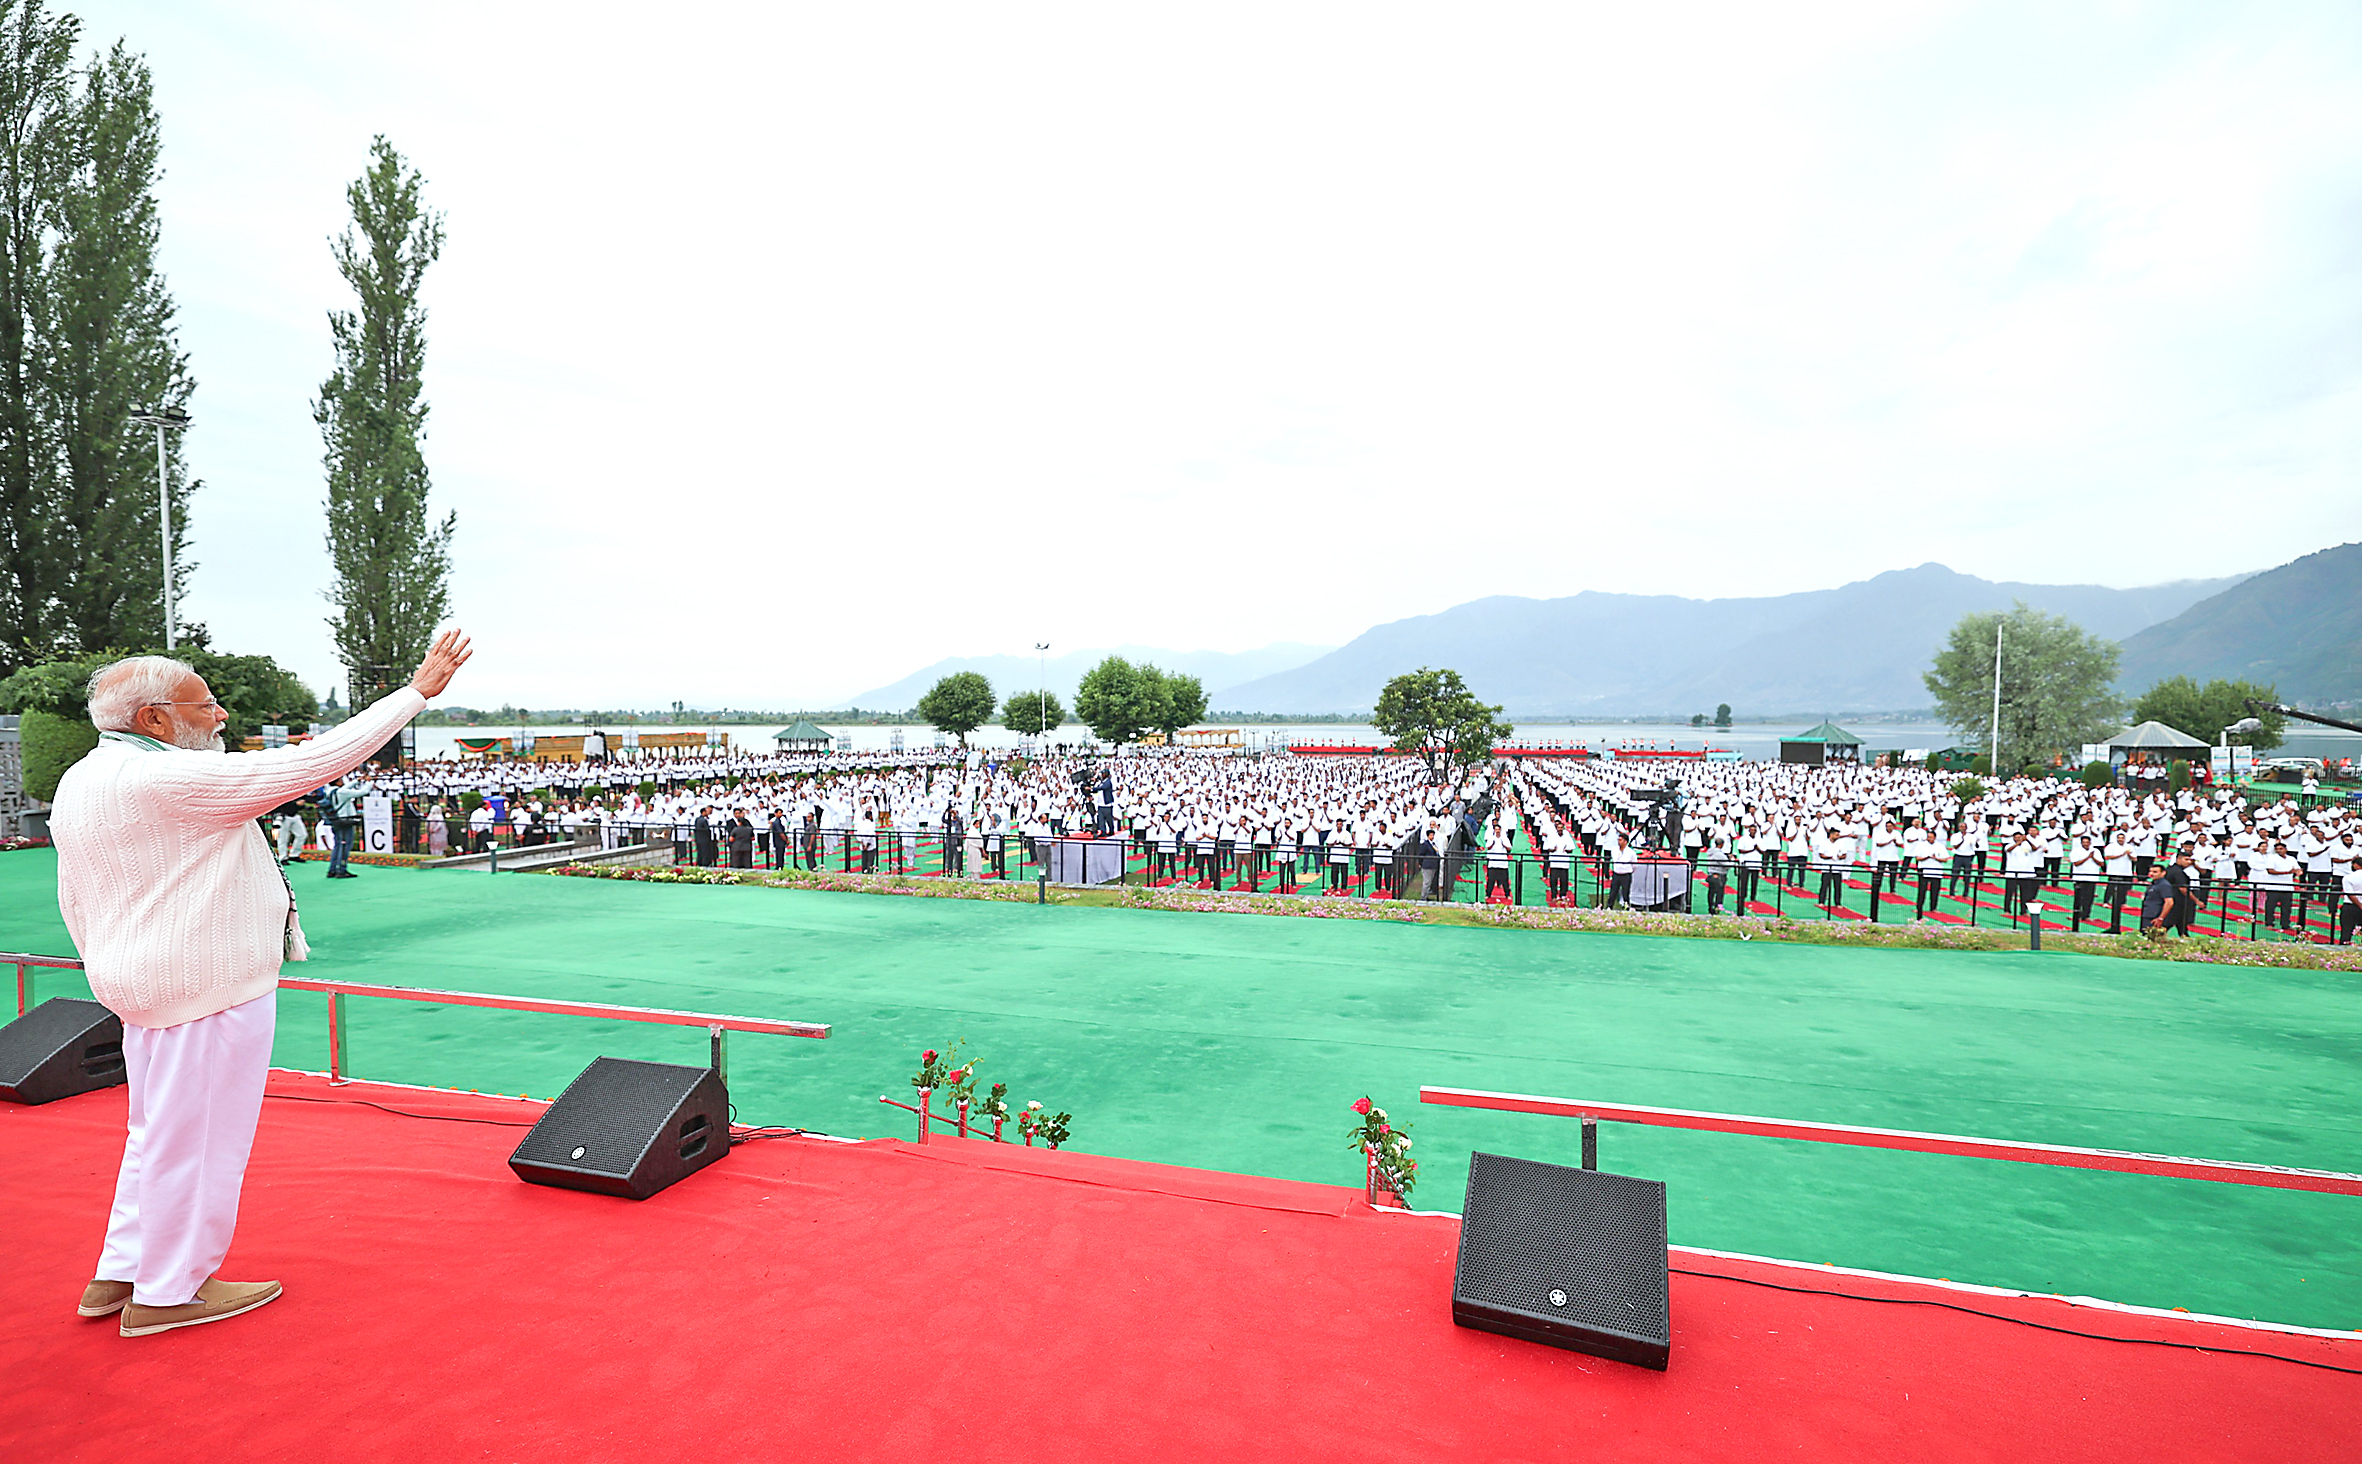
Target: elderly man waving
<point>182,918</point>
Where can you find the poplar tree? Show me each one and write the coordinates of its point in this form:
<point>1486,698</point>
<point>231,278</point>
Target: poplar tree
<point>36,58</point>
<point>392,563</point>
<point>86,340</point>
<point>112,352</point>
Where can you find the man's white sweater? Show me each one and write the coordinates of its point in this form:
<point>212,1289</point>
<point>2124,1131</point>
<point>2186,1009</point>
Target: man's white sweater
<point>168,886</point>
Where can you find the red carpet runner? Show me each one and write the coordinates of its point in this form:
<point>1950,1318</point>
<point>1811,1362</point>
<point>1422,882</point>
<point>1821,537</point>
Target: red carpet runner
<point>806,1300</point>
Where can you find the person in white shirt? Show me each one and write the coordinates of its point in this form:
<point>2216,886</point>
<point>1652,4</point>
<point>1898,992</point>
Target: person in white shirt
<point>1934,859</point>
<point>1832,853</point>
<point>1886,859</point>
<point>2349,908</point>
<point>2275,875</point>
<point>2085,865</point>
<point>2021,867</point>
<point>183,919</point>
<point>2116,862</point>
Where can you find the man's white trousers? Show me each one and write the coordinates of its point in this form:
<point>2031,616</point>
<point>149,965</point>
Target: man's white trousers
<point>196,1094</point>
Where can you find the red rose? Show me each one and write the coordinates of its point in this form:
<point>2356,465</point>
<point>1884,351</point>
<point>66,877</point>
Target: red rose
<point>1362,1107</point>
<point>928,1055</point>
<point>1385,1129</point>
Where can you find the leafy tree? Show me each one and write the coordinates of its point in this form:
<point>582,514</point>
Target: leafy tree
<point>1697,719</point>
<point>85,340</point>
<point>1117,702</point>
<point>1176,701</point>
<point>50,745</point>
<point>256,691</point>
<point>112,352</point>
<point>1433,713</point>
<point>959,704</point>
<point>2204,711</point>
<point>392,565</point>
<point>1722,715</point>
<point>36,100</point>
<point>2054,684</point>
<point>1033,712</point>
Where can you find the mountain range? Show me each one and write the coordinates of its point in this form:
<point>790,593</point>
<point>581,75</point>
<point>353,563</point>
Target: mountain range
<point>1860,647</point>
<point>2297,628</point>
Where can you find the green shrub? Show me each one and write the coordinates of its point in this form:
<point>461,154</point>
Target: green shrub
<point>52,744</point>
<point>2098,774</point>
<point>1966,789</point>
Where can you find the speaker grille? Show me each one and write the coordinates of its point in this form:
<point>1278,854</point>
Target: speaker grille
<point>1567,1251</point>
<point>64,1046</point>
<point>37,1036</point>
<point>608,1112</point>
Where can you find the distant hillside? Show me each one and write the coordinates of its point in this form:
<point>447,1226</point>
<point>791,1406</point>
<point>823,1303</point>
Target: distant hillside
<point>1860,647</point>
<point>1011,674</point>
<point>2298,627</point>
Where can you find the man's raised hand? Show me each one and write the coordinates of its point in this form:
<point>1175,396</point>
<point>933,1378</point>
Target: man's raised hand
<point>434,673</point>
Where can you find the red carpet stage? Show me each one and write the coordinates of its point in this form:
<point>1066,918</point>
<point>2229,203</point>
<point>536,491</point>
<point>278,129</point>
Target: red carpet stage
<point>814,1300</point>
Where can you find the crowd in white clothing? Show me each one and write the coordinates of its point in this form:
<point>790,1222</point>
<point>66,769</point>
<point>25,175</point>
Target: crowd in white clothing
<point>1201,815</point>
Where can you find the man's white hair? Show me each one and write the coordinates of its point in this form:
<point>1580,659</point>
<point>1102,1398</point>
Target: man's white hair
<point>120,688</point>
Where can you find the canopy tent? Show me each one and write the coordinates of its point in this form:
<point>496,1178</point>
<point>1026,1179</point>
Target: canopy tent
<point>2155,737</point>
<point>1826,743</point>
<point>802,737</point>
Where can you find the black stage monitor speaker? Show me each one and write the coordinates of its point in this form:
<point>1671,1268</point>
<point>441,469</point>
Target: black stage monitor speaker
<point>62,1047</point>
<point>628,1128</point>
<point>1571,1257</point>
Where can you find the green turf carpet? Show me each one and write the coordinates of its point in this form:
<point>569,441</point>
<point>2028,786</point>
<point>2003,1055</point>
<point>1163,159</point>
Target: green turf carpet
<point>1237,1042</point>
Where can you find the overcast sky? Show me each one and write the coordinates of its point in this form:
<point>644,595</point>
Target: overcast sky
<point>779,350</point>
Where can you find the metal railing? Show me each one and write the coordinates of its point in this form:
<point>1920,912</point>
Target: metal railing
<point>717,1027</point>
<point>2119,1161</point>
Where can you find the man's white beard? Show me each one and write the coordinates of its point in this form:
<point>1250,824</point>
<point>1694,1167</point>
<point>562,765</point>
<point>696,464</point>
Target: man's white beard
<point>192,739</point>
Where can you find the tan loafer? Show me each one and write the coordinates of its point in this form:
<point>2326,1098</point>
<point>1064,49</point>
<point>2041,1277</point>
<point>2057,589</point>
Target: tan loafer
<point>216,1301</point>
<point>103,1298</point>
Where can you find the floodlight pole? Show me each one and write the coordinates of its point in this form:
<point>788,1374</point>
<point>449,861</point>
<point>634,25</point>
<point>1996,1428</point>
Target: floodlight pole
<point>1993,739</point>
<point>165,419</point>
<point>1041,651</point>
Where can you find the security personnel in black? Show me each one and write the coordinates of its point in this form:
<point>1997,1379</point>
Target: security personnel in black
<point>778,832</point>
<point>701,837</point>
<point>742,840</point>
<point>955,854</point>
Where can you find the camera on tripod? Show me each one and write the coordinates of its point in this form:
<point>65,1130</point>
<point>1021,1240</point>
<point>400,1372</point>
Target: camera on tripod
<point>1660,827</point>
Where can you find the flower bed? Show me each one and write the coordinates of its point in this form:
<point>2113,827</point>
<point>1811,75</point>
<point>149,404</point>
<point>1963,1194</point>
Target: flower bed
<point>806,879</point>
<point>1922,935</point>
<point>1925,935</point>
<point>7,844</point>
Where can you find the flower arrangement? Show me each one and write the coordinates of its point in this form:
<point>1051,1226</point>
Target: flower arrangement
<point>22,843</point>
<point>1051,1128</point>
<point>947,1073</point>
<point>995,1106</point>
<point>943,1072</point>
<point>1386,1147</point>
